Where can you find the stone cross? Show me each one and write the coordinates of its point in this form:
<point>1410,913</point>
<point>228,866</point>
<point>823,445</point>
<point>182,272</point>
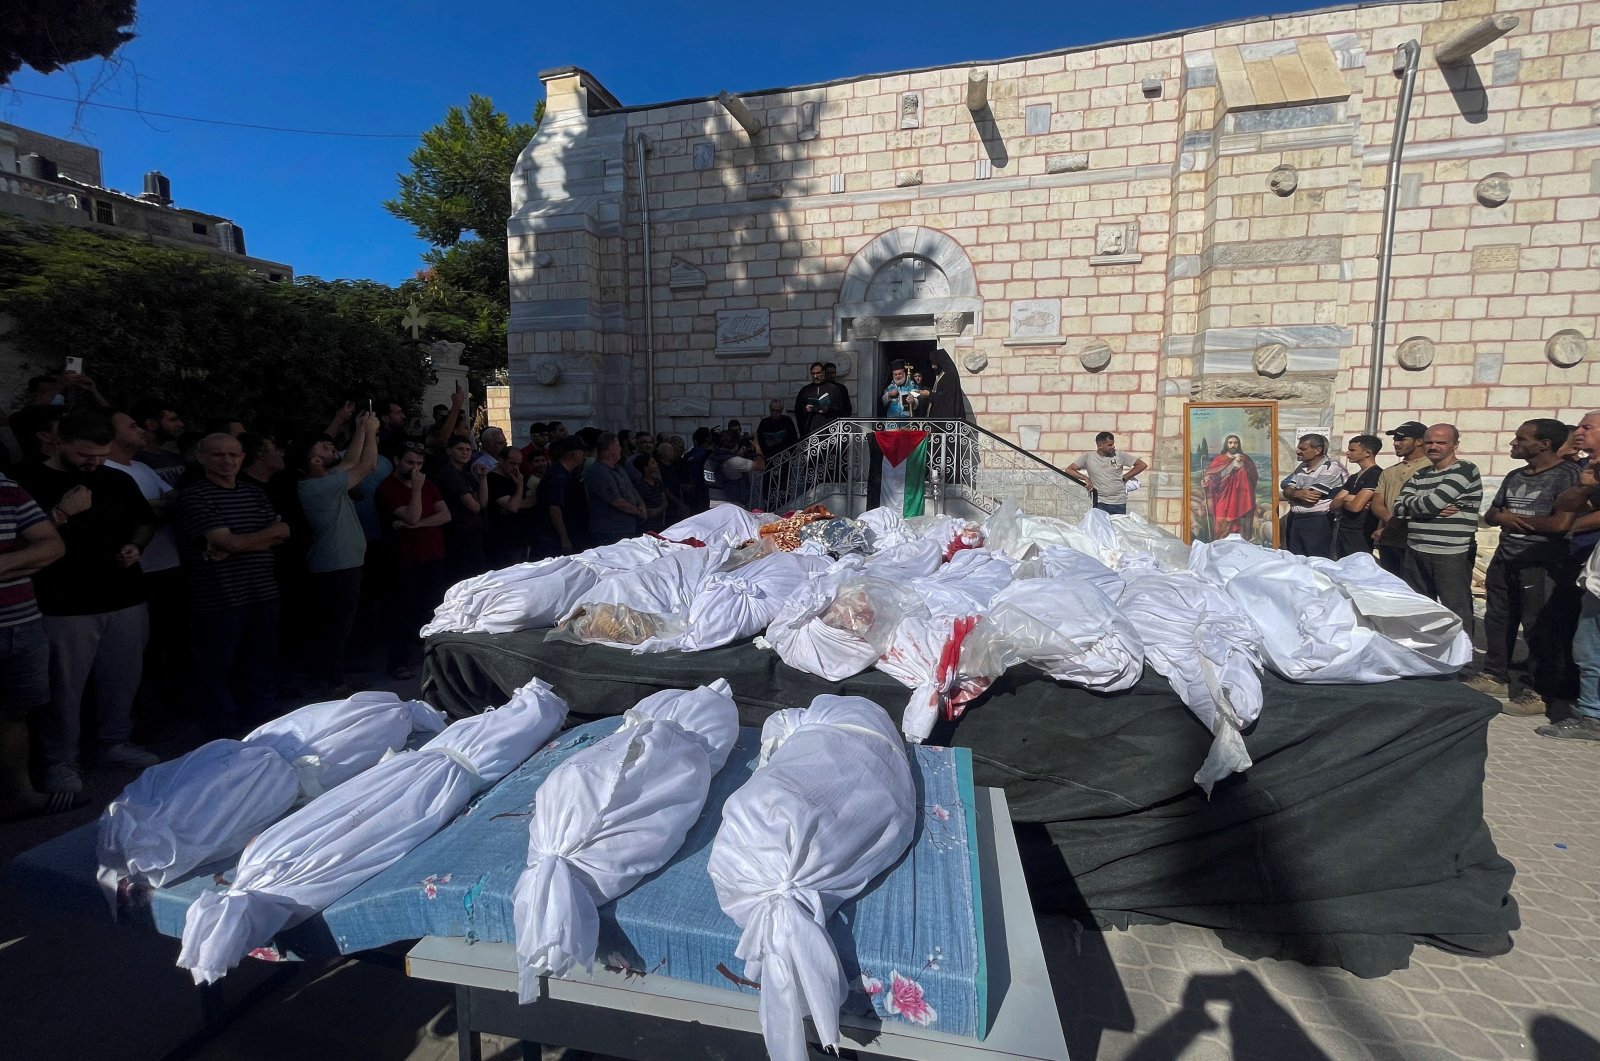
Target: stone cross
<point>414,319</point>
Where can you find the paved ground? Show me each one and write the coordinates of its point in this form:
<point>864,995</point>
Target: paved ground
<point>1155,993</point>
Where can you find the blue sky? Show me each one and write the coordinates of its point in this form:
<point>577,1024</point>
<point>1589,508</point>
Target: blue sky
<point>394,67</point>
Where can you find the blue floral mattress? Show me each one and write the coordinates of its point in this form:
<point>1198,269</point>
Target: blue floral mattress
<point>911,944</point>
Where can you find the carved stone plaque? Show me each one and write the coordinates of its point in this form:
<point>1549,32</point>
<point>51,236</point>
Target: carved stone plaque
<point>1496,258</point>
<point>1036,318</point>
<point>947,324</point>
<point>1271,359</point>
<point>1070,162</point>
<point>1095,355</point>
<point>866,328</point>
<point>685,277</point>
<point>688,406</point>
<point>908,178</point>
<point>910,110</point>
<point>705,155</point>
<point>1494,190</point>
<point>1038,119</point>
<point>806,120</point>
<point>1415,353</point>
<point>744,331</point>
<point>1116,244</point>
<point>1566,348</point>
<point>1276,252</point>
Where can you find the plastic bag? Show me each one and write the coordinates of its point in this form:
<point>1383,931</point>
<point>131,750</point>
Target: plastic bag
<point>840,621</point>
<point>925,657</point>
<point>831,806</point>
<point>643,609</point>
<point>1062,626</point>
<point>1137,535</point>
<point>1002,531</point>
<point>837,536</point>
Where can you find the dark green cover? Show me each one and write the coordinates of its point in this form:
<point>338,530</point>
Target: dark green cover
<point>1358,832</point>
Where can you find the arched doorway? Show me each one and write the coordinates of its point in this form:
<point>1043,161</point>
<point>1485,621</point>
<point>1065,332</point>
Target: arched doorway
<point>909,294</point>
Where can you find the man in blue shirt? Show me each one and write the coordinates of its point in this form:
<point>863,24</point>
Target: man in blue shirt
<point>901,394</point>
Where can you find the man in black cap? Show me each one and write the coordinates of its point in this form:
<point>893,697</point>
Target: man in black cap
<point>1391,532</point>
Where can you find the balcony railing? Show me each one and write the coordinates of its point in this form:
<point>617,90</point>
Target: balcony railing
<point>970,472</point>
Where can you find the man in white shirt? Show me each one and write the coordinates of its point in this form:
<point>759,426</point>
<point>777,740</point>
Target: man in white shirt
<point>167,656</point>
<point>1105,474</point>
<point>1309,489</point>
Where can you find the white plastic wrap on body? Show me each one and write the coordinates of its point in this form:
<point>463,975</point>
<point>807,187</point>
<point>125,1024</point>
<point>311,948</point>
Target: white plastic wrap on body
<point>1138,536</point>
<point>1064,627</point>
<point>967,584</point>
<point>720,524</point>
<point>831,807</point>
<point>642,609</point>
<point>344,837</point>
<point>1063,561</point>
<point>840,621</point>
<point>527,597</point>
<point>732,605</point>
<point>925,657</point>
<point>915,558</point>
<point>1393,609</point>
<point>886,528</point>
<point>611,814</point>
<point>1311,630</point>
<point>207,804</point>
<point>1204,644</point>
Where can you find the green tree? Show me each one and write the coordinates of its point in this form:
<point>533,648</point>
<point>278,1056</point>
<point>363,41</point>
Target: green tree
<point>49,34</point>
<point>458,198</point>
<point>213,337</point>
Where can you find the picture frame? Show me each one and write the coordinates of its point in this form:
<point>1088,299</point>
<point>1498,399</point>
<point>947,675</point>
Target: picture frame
<point>1227,491</point>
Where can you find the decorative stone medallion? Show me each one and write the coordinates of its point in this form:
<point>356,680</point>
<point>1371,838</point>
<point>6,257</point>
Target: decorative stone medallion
<point>1271,360</point>
<point>1283,180</point>
<point>546,373</point>
<point>1095,355</point>
<point>1493,190</point>
<point>910,110</point>
<point>1415,353</point>
<point>976,361</point>
<point>1566,348</point>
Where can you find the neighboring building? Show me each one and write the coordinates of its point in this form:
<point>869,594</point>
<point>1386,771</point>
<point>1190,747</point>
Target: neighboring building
<point>43,178</point>
<point>1098,236</point>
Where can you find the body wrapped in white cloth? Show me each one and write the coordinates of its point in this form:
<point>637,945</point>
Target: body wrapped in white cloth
<point>613,813</point>
<point>1204,644</point>
<point>841,621</point>
<point>342,838</point>
<point>831,807</point>
<point>207,804</point>
<point>1331,623</point>
<point>733,605</point>
<point>645,608</point>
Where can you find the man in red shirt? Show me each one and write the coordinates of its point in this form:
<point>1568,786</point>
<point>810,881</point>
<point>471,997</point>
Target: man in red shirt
<point>414,510</point>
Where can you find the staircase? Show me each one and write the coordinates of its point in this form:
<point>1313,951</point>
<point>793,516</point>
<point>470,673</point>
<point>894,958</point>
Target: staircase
<point>971,472</point>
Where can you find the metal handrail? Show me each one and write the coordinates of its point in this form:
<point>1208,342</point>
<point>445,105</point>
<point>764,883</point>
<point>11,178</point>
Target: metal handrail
<point>971,471</point>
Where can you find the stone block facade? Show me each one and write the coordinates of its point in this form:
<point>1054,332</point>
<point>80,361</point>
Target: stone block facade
<point>1097,236</point>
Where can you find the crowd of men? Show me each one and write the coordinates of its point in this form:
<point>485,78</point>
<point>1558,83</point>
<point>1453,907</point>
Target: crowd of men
<point>160,575</point>
<point>1422,516</point>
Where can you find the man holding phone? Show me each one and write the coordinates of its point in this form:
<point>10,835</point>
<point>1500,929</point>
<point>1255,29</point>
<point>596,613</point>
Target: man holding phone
<point>1309,489</point>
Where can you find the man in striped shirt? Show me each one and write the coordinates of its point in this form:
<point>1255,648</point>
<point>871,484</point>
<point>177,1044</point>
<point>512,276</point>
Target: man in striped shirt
<point>226,531</point>
<point>1309,489</point>
<point>28,543</point>
<point>1440,504</point>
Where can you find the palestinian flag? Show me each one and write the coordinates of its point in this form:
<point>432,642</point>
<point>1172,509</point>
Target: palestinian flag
<point>905,470</point>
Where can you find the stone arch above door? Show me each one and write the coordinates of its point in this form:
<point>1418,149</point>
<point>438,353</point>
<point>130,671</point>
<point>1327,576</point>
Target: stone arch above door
<point>908,275</point>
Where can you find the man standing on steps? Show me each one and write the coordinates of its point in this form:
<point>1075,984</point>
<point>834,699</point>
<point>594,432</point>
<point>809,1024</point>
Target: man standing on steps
<point>1105,474</point>
<point>1390,534</point>
<point>819,402</point>
<point>1520,588</point>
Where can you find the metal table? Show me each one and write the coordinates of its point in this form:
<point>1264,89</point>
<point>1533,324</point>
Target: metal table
<point>648,1018</point>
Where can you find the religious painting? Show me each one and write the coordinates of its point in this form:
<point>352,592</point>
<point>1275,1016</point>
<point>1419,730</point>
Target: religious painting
<point>1230,476</point>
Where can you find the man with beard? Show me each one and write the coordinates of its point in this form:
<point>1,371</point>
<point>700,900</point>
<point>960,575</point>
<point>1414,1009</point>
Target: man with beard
<point>162,429</point>
<point>1229,484</point>
<point>92,599</point>
<point>819,402</point>
<point>414,511</point>
<point>1391,533</point>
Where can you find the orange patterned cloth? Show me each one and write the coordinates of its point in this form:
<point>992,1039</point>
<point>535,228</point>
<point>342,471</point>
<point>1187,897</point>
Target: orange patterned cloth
<point>785,533</point>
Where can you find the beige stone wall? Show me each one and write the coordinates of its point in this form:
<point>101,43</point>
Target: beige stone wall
<point>1177,137</point>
